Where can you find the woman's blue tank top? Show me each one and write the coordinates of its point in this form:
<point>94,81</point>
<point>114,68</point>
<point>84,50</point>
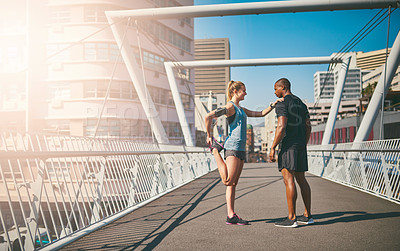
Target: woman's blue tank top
<point>236,139</point>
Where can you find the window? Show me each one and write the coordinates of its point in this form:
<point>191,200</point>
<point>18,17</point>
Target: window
<point>164,33</point>
<point>95,13</point>
<point>107,127</point>
<point>150,60</point>
<point>174,130</point>
<point>101,51</point>
<point>185,101</point>
<point>60,15</point>
<point>58,52</point>
<point>59,91</point>
<point>183,73</point>
<point>119,89</point>
<point>59,126</point>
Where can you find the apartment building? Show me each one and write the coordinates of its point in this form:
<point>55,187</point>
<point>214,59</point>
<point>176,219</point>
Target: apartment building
<point>325,83</point>
<point>371,63</point>
<point>74,61</point>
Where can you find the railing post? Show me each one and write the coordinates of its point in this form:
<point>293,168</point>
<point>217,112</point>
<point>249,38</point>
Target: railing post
<point>362,170</point>
<point>37,188</point>
<point>99,194</point>
<point>385,168</point>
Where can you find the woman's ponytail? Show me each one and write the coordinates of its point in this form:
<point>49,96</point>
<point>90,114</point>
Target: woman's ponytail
<point>232,85</point>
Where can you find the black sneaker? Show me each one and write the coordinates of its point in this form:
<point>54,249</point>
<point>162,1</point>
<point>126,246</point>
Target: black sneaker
<point>215,144</point>
<point>236,220</point>
<point>287,223</point>
<point>305,220</point>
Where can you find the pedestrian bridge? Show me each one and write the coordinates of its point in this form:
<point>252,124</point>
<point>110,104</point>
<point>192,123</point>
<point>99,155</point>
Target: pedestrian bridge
<point>74,193</point>
<point>193,218</point>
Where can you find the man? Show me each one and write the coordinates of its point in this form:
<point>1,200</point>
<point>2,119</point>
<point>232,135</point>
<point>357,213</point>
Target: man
<point>293,132</point>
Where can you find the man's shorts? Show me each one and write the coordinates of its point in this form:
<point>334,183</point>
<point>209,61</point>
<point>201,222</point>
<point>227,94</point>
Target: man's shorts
<point>238,154</point>
<point>293,159</point>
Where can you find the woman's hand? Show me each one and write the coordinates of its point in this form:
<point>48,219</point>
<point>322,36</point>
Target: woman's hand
<point>278,100</point>
<point>209,141</point>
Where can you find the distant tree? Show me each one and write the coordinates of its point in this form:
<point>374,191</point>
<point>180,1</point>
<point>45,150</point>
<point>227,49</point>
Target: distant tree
<point>367,91</point>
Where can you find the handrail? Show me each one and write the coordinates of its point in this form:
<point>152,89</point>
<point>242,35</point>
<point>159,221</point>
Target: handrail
<point>353,150</point>
<point>70,154</point>
<point>53,187</point>
<point>370,166</point>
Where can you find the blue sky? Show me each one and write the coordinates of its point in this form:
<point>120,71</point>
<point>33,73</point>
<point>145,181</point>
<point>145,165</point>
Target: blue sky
<point>289,35</point>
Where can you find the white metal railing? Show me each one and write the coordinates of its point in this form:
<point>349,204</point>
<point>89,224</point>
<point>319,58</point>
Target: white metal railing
<point>54,186</point>
<point>371,166</point>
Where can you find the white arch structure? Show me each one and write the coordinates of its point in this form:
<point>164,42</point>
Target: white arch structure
<point>245,9</point>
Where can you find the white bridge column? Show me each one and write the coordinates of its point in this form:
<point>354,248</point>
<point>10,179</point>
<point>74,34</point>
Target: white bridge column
<point>330,124</point>
<point>128,55</point>
<point>178,104</point>
<point>380,92</point>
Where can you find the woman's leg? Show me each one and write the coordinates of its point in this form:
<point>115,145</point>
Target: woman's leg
<point>222,169</point>
<point>234,168</point>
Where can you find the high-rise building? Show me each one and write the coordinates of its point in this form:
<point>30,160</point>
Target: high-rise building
<point>325,83</point>
<point>214,78</point>
<point>210,85</point>
<point>74,60</point>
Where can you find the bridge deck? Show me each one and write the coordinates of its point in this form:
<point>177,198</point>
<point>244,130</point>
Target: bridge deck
<point>193,217</point>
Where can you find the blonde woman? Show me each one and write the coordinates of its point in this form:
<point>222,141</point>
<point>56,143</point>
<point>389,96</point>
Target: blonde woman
<point>235,144</point>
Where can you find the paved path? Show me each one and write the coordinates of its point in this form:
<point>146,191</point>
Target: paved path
<point>193,218</point>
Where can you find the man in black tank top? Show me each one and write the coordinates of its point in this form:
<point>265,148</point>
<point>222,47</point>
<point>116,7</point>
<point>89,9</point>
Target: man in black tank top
<point>292,132</point>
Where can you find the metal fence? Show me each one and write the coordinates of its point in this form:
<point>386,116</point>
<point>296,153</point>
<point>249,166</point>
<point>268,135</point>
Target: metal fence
<point>54,186</point>
<point>371,166</point>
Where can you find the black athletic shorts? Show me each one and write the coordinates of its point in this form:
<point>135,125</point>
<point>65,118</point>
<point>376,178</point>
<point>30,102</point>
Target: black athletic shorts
<point>293,159</point>
<point>239,154</point>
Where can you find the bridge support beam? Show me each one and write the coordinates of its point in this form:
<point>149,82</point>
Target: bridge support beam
<point>135,73</point>
<point>380,92</point>
<point>330,124</point>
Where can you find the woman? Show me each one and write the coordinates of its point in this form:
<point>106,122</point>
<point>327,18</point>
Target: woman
<point>235,144</point>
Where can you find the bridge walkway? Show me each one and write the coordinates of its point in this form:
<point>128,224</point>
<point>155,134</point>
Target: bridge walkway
<point>193,218</point>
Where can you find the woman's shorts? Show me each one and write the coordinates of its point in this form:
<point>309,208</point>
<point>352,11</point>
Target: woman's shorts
<point>238,154</point>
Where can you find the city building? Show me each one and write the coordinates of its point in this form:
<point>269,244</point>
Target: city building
<point>270,122</point>
<point>372,63</point>
<point>210,86</point>
<point>346,129</point>
<point>212,79</point>
<point>259,136</point>
<point>74,61</point>
<point>319,112</point>
<point>325,83</point>
<point>249,139</point>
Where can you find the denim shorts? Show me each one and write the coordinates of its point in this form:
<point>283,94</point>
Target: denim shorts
<point>238,154</point>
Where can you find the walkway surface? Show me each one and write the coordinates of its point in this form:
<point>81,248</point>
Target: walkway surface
<point>193,218</point>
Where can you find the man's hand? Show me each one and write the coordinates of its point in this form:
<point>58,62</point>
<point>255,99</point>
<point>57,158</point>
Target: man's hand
<point>272,155</point>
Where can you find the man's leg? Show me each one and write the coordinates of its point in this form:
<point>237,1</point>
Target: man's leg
<point>291,192</point>
<point>305,192</point>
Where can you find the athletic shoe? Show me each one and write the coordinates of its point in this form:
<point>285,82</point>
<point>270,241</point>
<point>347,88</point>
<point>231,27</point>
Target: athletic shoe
<point>236,220</point>
<point>305,220</point>
<point>215,144</point>
<point>286,223</point>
